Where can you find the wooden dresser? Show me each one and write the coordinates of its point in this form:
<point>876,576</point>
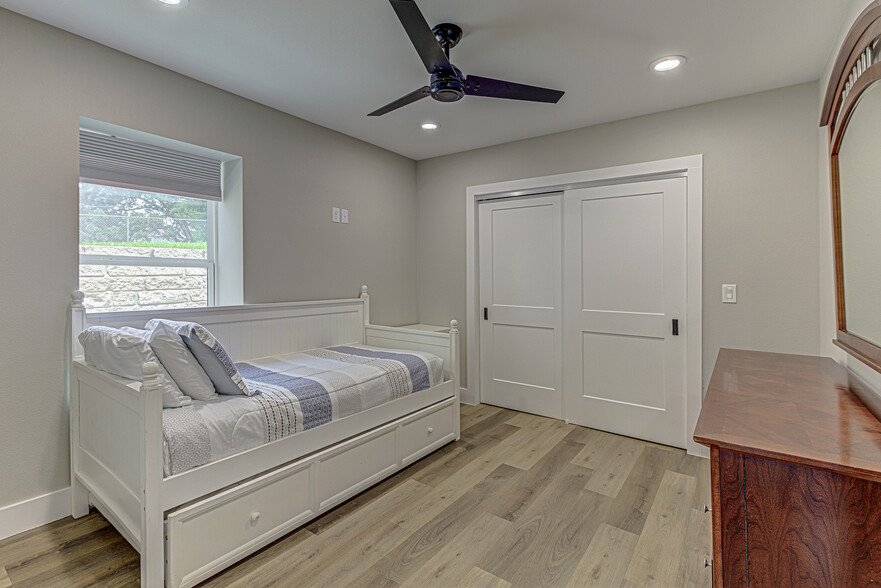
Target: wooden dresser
<point>795,458</point>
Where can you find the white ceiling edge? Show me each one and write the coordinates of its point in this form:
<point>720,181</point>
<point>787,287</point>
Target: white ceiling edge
<point>282,56</point>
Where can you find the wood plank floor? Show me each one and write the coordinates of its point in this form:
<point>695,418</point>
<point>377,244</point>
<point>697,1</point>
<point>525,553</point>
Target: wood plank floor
<point>520,500</point>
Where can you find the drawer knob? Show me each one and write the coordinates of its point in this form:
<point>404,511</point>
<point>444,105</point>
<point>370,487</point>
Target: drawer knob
<point>707,508</point>
<point>255,516</point>
<point>430,430</point>
<point>708,563</point>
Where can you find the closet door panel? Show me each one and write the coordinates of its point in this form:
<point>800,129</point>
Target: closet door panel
<point>622,243</point>
<point>624,284</point>
<point>522,245</point>
<point>608,360</point>
<point>520,297</point>
<point>524,354</point>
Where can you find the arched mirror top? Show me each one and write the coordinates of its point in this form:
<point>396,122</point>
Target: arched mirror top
<point>852,112</point>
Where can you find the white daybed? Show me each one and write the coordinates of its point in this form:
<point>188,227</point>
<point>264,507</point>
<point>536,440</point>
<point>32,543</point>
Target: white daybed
<point>191,525</point>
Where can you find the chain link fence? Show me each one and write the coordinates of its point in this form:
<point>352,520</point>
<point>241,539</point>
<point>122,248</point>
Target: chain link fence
<point>106,228</point>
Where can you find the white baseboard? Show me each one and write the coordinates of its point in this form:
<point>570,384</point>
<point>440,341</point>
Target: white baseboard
<point>698,450</point>
<point>28,514</point>
<point>465,398</point>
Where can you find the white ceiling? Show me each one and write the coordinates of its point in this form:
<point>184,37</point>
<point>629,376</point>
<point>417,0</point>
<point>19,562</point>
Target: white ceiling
<point>333,61</point>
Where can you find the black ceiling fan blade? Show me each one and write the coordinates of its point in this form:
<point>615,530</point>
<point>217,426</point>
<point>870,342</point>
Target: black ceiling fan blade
<point>490,88</point>
<point>421,36</point>
<point>419,94</point>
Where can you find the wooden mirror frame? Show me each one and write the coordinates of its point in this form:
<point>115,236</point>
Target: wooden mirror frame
<point>851,76</point>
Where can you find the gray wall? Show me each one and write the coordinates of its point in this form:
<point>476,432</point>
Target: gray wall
<point>759,201</point>
<point>294,172</point>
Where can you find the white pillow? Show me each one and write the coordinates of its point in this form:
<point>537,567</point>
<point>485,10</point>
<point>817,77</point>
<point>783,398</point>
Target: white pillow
<point>179,361</point>
<point>124,352</point>
<point>211,356</point>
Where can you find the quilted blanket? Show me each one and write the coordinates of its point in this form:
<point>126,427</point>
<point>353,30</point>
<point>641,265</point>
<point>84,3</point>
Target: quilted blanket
<point>295,392</point>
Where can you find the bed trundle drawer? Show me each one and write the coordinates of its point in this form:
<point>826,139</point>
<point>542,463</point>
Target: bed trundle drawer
<point>426,433</point>
<point>207,536</point>
<point>356,466</point>
<point>211,534</point>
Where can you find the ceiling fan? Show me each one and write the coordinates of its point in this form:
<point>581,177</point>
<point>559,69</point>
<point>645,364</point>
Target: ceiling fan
<point>447,82</point>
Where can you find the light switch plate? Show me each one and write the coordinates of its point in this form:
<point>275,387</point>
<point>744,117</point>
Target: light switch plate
<point>729,293</point>
<point>335,215</point>
<point>344,217</point>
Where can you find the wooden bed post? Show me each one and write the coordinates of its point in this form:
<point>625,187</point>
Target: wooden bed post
<point>152,535</point>
<point>366,298</point>
<point>77,323</point>
<point>454,369</point>
<point>79,496</point>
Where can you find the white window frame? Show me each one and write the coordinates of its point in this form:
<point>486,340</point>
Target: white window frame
<point>210,263</point>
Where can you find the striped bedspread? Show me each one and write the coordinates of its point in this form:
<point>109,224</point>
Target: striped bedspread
<point>296,392</point>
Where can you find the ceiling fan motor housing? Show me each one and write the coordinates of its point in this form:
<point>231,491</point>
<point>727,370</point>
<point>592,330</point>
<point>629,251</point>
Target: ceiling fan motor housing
<point>447,85</point>
<point>447,82</point>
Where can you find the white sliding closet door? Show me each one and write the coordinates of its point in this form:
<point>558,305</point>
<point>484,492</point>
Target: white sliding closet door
<point>520,298</point>
<point>624,286</point>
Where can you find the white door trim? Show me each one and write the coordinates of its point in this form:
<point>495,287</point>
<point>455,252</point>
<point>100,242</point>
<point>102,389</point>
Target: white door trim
<point>691,167</point>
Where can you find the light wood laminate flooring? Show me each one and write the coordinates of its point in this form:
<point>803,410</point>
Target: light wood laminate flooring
<point>520,500</point>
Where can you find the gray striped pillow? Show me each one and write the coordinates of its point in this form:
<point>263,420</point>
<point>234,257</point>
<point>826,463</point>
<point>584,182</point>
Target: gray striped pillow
<point>211,356</point>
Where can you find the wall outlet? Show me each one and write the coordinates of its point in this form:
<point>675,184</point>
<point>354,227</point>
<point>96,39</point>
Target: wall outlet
<point>729,293</point>
<point>335,216</point>
<point>344,216</point>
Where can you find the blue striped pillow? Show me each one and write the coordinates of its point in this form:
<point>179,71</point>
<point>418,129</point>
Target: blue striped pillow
<point>211,356</point>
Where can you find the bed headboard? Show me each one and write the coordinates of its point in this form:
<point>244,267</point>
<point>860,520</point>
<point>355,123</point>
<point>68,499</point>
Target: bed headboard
<point>252,330</point>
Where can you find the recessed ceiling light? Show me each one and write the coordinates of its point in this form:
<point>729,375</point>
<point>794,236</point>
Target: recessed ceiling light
<point>668,63</point>
<point>173,2</point>
<point>429,126</point>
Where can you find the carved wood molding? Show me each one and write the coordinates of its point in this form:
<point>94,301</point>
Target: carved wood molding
<point>860,37</point>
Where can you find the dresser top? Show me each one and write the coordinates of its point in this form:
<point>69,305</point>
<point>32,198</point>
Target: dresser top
<point>800,409</point>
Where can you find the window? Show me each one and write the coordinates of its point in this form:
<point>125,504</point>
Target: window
<point>147,226</point>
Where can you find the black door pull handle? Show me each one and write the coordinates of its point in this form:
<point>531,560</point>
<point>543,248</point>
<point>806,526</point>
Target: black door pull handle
<point>676,327</point>
<point>485,313</point>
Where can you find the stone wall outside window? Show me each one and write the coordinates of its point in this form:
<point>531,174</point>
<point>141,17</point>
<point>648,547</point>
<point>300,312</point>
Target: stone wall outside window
<point>142,287</point>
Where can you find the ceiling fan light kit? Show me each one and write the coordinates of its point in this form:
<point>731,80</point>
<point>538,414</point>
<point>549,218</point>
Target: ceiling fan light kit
<point>447,83</point>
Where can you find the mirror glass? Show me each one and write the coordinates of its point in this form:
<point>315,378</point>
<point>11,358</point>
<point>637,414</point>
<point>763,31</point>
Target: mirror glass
<point>859,168</point>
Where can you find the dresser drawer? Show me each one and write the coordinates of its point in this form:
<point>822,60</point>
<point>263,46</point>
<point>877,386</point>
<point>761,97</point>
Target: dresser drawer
<point>211,534</point>
<point>421,436</point>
